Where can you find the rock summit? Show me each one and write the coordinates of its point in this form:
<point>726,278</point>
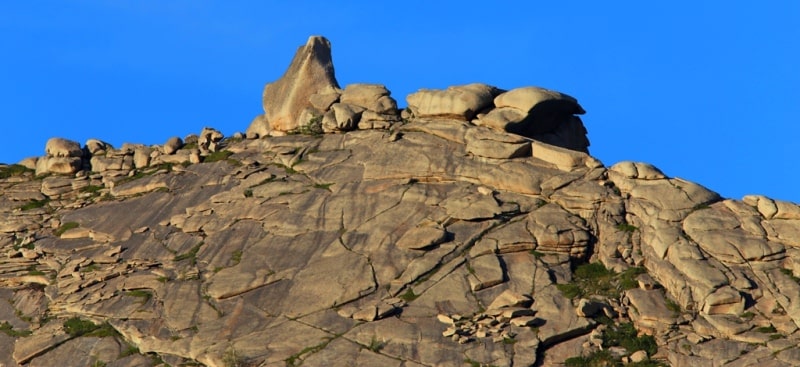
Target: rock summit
<point>471,228</point>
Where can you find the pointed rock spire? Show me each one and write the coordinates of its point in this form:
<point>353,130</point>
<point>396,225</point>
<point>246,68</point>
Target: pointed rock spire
<point>311,72</point>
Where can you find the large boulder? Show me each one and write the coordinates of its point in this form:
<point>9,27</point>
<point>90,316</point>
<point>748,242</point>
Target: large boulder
<point>461,102</point>
<point>544,110</point>
<point>373,97</point>
<point>58,165</point>
<point>311,72</point>
<point>258,128</point>
<point>60,147</point>
<point>540,114</point>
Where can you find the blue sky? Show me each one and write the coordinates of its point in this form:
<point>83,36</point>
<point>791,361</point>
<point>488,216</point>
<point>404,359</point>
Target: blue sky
<point>706,91</point>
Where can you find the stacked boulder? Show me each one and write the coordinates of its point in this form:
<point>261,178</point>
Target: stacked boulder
<point>62,156</point>
<point>307,98</point>
<point>533,112</point>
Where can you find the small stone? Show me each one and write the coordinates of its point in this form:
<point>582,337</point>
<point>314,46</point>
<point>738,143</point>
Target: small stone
<point>513,312</point>
<point>638,356</point>
<point>449,332</point>
<point>589,308</point>
<point>695,338</point>
<point>510,298</point>
<point>646,282</point>
<point>172,145</point>
<point>445,319</point>
<point>523,321</point>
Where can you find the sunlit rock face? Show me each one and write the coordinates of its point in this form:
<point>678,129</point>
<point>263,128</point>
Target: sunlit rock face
<point>451,232</point>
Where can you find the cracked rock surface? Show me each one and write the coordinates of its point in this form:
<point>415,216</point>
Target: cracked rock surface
<point>350,249</point>
<point>432,236</point>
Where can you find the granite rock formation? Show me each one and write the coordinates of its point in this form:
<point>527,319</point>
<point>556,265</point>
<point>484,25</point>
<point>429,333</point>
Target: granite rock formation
<point>378,237</point>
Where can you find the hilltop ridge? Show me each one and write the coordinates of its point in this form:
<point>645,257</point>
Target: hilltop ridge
<point>472,228</point>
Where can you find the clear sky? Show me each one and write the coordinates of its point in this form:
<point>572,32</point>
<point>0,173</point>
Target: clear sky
<point>705,90</point>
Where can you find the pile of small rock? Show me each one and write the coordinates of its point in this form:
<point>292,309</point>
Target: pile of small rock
<point>508,309</point>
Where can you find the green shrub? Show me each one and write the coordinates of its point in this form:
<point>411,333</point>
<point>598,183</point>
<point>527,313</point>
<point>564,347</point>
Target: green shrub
<point>324,186</point>
<point>34,204</point>
<point>313,127</point>
<point>217,156</point>
<point>409,295</point>
<point>625,335</point>
<point>570,290</point>
<point>8,329</point>
<point>595,279</point>
<point>597,359</point>
<point>140,293</point>
<point>766,329</point>
<point>627,279</point>
<point>625,227</point>
<point>191,255</point>
<point>77,327</point>
<point>92,189</point>
<point>65,227</point>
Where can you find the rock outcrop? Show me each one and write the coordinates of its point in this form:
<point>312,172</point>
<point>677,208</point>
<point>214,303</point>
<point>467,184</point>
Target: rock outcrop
<point>431,240</point>
<point>311,72</point>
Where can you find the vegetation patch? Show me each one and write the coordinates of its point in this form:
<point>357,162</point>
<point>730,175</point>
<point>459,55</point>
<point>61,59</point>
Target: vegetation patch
<point>140,293</point>
<point>222,155</point>
<point>90,268</point>
<point>375,345</point>
<point>409,295</point>
<point>324,186</point>
<point>18,245</point>
<point>595,279</point>
<point>622,335</point>
<point>33,271</point>
<point>192,145</point>
<point>627,279</point>
<point>76,327</point>
<point>674,306</point>
<point>294,360</point>
<point>144,173</point>
<point>92,189</point>
<point>236,257</point>
<point>191,255</point>
<point>766,329</point>
<point>790,274</point>
<point>8,329</point>
<point>625,227</point>
<point>536,254</point>
<point>313,127</point>
<point>129,350</point>
<point>65,227</point>
<point>626,336</point>
<point>34,204</point>
<point>14,170</point>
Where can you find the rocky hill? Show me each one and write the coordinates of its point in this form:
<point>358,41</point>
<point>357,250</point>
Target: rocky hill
<point>470,229</point>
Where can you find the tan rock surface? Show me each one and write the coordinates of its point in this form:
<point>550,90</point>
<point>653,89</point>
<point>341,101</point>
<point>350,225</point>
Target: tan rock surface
<point>310,72</point>
<point>427,242</point>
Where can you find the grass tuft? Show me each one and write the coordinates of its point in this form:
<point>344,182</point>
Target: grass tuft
<point>65,227</point>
